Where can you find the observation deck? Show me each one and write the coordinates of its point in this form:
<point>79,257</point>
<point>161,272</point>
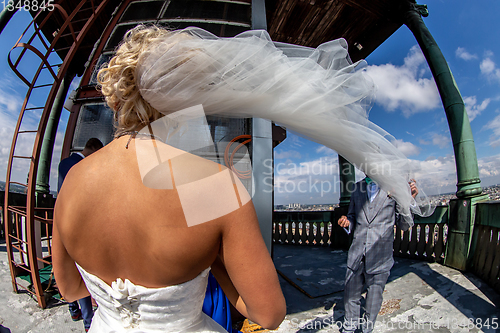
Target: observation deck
<point>309,252</point>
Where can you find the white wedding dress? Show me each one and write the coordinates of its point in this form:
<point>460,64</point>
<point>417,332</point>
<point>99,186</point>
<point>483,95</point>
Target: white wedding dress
<point>126,307</point>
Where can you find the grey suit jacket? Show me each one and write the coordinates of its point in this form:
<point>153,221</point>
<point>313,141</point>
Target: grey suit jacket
<point>373,227</point>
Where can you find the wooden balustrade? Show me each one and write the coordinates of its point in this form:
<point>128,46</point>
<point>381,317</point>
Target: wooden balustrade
<point>485,249</point>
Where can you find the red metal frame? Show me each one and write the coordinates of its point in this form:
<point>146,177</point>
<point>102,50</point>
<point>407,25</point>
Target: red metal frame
<point>86,93</point>
<point>29,211</point>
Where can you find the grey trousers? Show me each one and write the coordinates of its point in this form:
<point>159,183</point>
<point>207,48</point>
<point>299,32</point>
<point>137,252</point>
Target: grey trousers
<point>352,298</point>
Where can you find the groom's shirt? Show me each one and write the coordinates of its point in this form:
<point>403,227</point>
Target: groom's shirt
<point>372,190</point>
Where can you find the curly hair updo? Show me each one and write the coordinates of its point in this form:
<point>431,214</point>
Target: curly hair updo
<point>118,79</point>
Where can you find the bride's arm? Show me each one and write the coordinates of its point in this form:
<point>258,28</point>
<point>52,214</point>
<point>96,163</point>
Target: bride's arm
<point>68,278</point>
<point>250,282</point>
<point>220,273</point>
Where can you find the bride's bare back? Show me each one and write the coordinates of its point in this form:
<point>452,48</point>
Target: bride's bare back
<point>114,226</point>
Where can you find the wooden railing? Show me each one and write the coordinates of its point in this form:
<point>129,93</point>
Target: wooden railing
<point>485,249</point>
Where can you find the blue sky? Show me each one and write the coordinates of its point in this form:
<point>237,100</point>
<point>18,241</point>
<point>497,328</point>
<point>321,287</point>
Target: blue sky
<point>407,105</point>
<point>12,94</point>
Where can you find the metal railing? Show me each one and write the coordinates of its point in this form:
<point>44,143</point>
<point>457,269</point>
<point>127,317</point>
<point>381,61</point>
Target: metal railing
<point>484,255</point>
<point>318,228</point>
<point>426,240</point>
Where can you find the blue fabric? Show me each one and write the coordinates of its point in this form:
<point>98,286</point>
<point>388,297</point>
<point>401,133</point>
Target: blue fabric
<point>64,167</point>
<point>216,305</point>
<point>85,303</point>
<point>86,309</point>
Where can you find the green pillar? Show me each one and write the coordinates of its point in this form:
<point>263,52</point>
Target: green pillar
<point>347,180</point>
<point>461,134</point>
<point>461,220</point>
<point>6,15</point>
<point>42,178</point>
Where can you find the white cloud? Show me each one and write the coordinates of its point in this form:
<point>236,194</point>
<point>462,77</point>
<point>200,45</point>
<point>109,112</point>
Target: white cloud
<point>314,181</point>
<point>11,103</point>
<point>489,68</point>
<point>441,141</point>
<point>404,87</point>
<point>424,142</point>
<point>489,170</point>
<point>324,166</point>
<point>10,106</point>
<point>494,125</point>
<point>296,141</point>
<point>407,148</point>
<point>438,175</point>
<point>474,109</point>
<point>325,150</point>
<point>75,83</point>
<point>463,54</point>
<point>489,166</point>
<point>280,154</point>
<point>24,146</point>
<point>435,175</point>
<point>317,181</point>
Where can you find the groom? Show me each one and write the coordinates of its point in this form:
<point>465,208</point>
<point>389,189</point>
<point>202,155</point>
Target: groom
<point>371,216</point>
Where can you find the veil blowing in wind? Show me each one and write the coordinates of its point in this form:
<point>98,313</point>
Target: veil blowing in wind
<point>318,93</point>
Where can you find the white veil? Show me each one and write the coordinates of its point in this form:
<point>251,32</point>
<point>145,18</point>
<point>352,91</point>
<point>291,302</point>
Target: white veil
<point>318,93</point>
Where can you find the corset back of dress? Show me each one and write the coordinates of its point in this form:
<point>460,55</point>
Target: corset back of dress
<point>126,307</point>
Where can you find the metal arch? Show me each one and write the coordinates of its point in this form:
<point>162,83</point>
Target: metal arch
<point>39,54</point>
<point>30,205</point>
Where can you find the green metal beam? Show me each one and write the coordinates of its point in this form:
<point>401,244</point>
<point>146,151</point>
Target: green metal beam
<point>468,182</point>
<point>461,213</point>
<point>347,179</point>
<point>43,174</point>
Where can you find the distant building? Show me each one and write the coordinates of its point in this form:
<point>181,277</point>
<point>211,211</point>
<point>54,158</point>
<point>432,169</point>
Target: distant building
<point>294,206</point>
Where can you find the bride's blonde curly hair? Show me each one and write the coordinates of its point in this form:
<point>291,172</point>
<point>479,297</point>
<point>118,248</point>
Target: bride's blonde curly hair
<point>118,79</point>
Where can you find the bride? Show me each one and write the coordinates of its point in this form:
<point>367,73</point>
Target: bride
<point>139,223</point>
<point>134,248</point>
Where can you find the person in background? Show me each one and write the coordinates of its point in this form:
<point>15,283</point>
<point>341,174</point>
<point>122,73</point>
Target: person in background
<point>84,310</point>
<point>66,164</point>
<point>371,216</point>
